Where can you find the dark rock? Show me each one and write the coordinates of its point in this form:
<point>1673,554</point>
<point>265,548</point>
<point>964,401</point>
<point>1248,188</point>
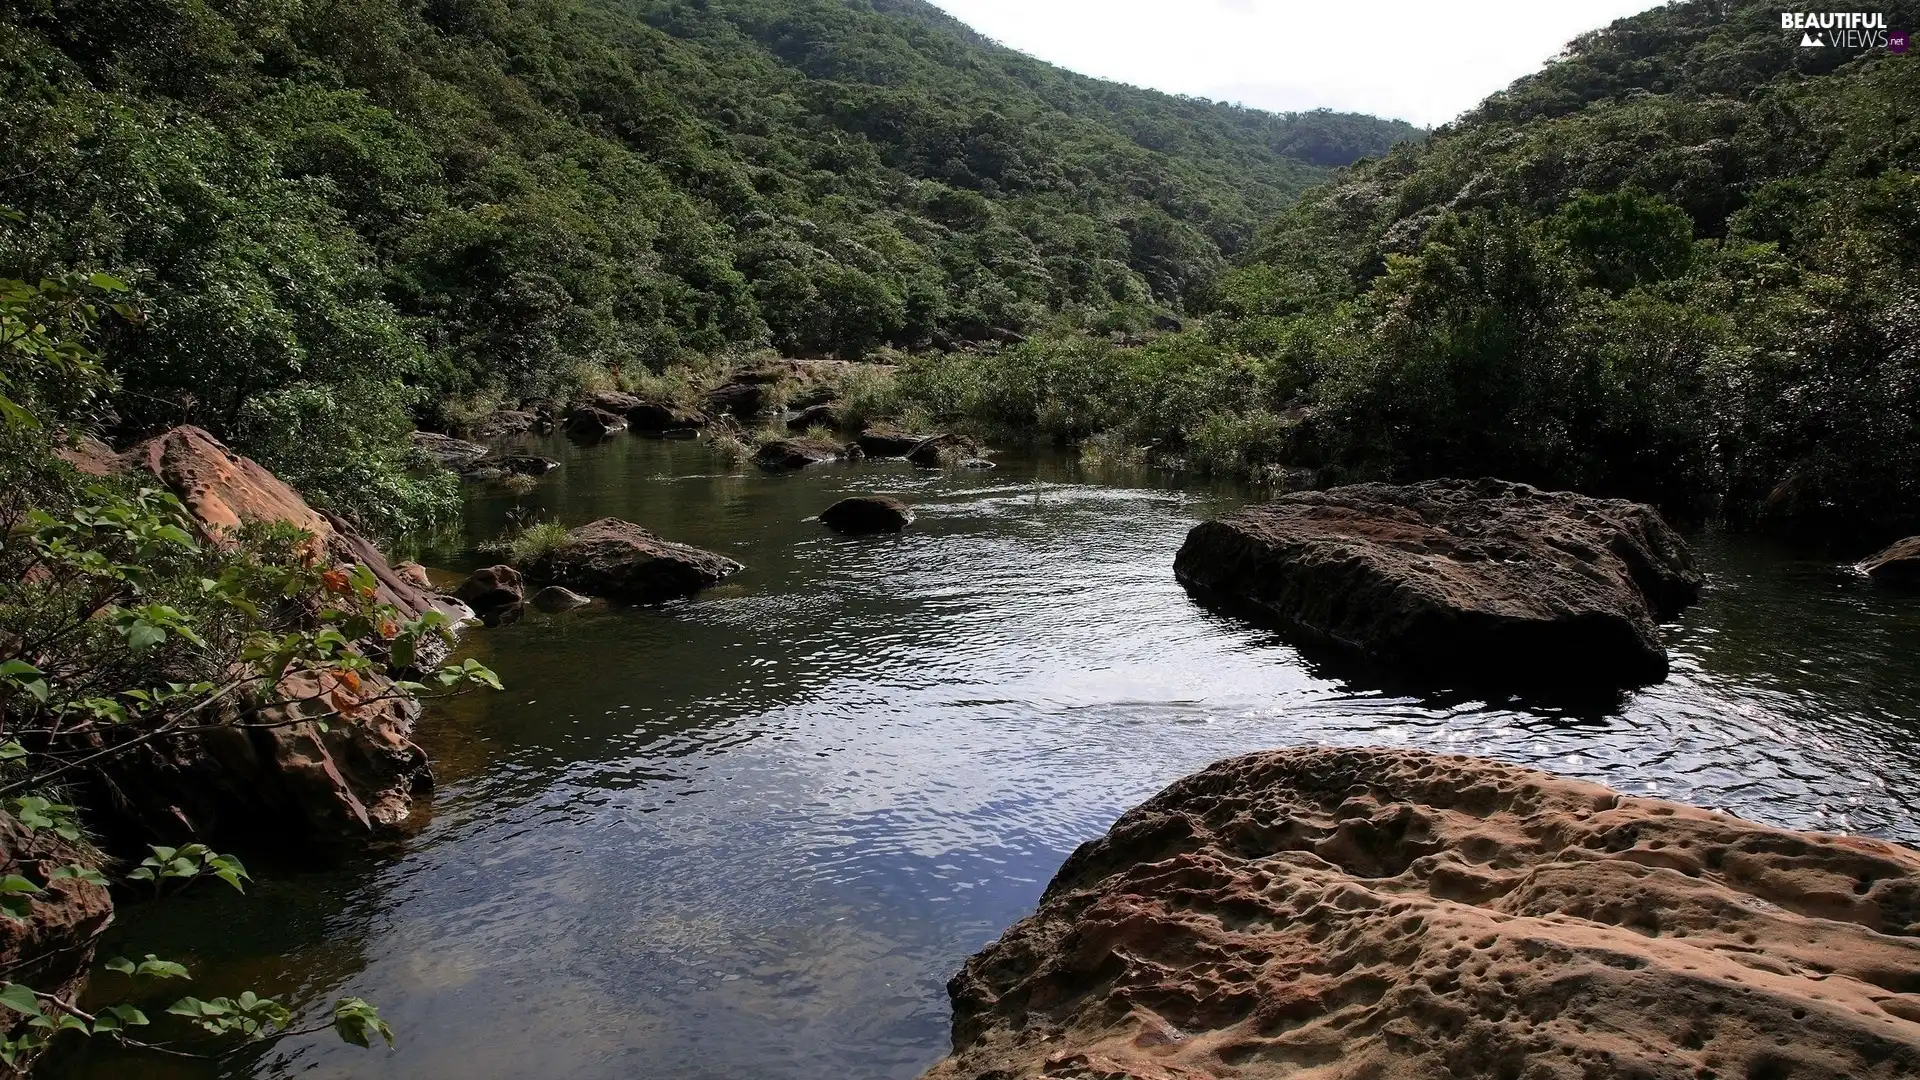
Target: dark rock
<point>809,396</point>
<point>1475,580</point>
<point>798,453</point>
<point>506,422</point>
<point>554,598</point>
<point>1166,324</point>
<point>617,402</point>
<point>665,419</point>
<point>590,424</point>
<point>1898,566</point>
<point>886,442</point>
<point>867,514</point>
<point>455,454</point>
<point>1359,914</point>
<point>524,464</point>
<point>622,561</point>
<point>936,451</point>
<point>745,400</point>
<point>491,589</point>
<point>814,416</point>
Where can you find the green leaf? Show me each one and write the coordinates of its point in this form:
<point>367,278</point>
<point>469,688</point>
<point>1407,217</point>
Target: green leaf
<point>358,1022</point>
<point>14,883</point>
<point>76,872</point>
<point>19,997</point>
<point>107,282</point>
<point>143,635</point>
<point>120,964</point>
<point>155,968</point>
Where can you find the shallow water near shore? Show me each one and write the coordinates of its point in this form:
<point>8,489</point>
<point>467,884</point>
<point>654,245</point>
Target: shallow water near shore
<point>753,834</point>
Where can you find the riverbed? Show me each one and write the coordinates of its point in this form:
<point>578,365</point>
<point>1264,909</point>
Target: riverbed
<point>751,835</point>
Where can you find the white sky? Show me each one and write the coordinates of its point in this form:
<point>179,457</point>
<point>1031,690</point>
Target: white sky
<point>1421,60</point>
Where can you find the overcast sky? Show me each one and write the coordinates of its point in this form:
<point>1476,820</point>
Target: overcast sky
<point>1421,60</point>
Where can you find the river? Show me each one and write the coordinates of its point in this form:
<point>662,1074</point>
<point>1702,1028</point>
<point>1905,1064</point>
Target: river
<point>753,834</point>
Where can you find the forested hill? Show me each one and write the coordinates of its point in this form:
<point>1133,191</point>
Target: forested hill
<point>1678,263</point>
<point>322,200</point>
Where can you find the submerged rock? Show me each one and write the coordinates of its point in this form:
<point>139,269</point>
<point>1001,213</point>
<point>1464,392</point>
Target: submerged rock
<point>622,561</point>
<point>554,598</point>
<point>867,514</point>
<point>491,591</point>
<point>589,424</point>
<point>798,453</point>
<point>1397,915</point>
<point>1897,566</point>
<point>1476,580</point>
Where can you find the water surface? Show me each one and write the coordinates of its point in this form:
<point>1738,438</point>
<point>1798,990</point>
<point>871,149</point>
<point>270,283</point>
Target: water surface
<point>752,835</point>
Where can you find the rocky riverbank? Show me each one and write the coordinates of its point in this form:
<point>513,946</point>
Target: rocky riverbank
<point>1349,913</point>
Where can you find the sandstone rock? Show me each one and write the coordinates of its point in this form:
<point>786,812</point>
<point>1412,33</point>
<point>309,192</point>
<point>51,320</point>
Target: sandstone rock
<point>221,489</point>
<point>491,590</point>
<point>278,778</point>
<point>588,424</point>
<point>622,561</point>
<point>455,454</point>
<point>867,514</point>
<point>92,457</point>
<point>1474,580</point>
<point>554,598</point>
<point>664,419</point>
<point>413,574</point>
<point>617,402</point>
<point>52,948</point>
<point>886,442</point>
<point>1396,915</point>
<point>1897,566</point>
<point>798,453</point>
<point>822,415</point>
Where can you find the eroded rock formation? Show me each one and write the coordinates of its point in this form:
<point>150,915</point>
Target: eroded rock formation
<point>1395,915</point>
<point>1470,579</point>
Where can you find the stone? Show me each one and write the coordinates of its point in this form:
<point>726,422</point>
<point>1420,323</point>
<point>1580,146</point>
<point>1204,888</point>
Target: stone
<point>588,424</point>
<point>524,464</point>
<point>1479,581</point>
<point>863,514</point>
<point>455,454</point>
<point>1367,914</point>
<point>555,598</point>
<point>413,574</point>
<point>491,590</point>
<point>823,415</point>
<point>886,442</point>
<point>799,452</point>
<point>622,561</point>
<point>936,451</point>
<point>505,422</point>
<point>52,948</point>
<point>91,457</point>
<point>617,402</point>
<point>665,419</point>
<point>740,398</point>
<point>1898,566</point>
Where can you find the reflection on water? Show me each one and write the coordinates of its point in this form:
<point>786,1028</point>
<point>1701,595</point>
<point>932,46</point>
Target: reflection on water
<point>752,835</point>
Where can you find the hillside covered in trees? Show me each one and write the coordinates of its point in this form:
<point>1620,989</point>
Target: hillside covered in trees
<point>335,213</point>
<point>1677,264</point>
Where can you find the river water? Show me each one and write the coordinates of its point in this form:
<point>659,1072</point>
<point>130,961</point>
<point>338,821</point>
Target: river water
<point>753,834</point>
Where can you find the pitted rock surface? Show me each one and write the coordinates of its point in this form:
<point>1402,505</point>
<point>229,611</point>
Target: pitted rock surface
<point>1343,914</point>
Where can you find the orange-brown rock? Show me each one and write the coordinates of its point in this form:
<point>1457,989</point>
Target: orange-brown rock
<point>52,948</point>
<point>1340,914</point>
<point>222,489</point>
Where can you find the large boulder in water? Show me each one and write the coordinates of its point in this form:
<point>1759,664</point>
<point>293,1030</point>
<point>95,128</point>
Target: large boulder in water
<point>780,455</point>
<point>862,514</point>
<point>1351,914</point>
<point>888,442</point>
<point>455,454</point>
<point>492,592</point>
<point>665,419</point>
<point>1897,566</point>
<point>1478,580</point>
<point>622,561</point>
<point>588,424</point>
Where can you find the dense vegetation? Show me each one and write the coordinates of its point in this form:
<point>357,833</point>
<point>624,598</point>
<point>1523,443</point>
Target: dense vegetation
<point>338,213</point>
<point>1678,264</point>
